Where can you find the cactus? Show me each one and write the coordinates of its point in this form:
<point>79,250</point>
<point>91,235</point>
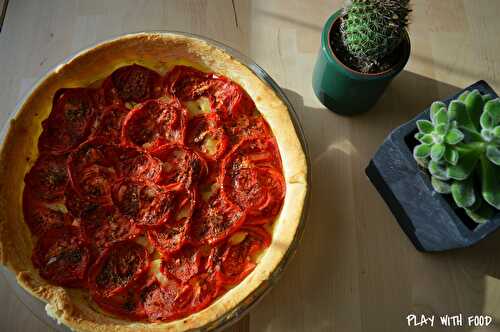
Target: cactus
<point>373,29</point>
<point>460,147</point>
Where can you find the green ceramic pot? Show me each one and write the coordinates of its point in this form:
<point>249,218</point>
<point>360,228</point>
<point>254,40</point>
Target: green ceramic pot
<point>342,89</point>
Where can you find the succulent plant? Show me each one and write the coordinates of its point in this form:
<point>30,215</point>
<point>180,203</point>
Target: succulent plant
<point>373,29</point>
<point>460,147</point>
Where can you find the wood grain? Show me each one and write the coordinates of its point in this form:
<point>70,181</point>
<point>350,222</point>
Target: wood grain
<point>355,270</point>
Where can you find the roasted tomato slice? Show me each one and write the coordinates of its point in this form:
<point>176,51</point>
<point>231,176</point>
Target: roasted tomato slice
<point>127,303</point>
<point>47,178</point>
<point>132,83</point>
<point>147,204</point>
<point>104,226</point>
<point>238,261</point>
<point>153,123</point>
<point>98,151</point>
<point>170,237</point>
<point>215,220</point>
<point>110,122</point>
<point>167,301</point>
<point>184,264</point>
<point>243,126</point>
<point>230,100</point>
<point>259,190</point>
<point>252,152</point>
<point>118,268</point>
<point>133,163</point>
<point>69,123</point>
<point>40,218</point>
<point>93,183</point>
<point>62,257</point>
<point>180,165</point>
<point>205,288</point>
<point>187,83</point>
<point>206,135</point>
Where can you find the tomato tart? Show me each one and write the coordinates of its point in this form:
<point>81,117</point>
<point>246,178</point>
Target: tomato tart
<point>152,182</point>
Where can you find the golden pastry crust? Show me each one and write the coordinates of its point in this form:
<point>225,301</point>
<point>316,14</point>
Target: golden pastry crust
<point>159,51</point>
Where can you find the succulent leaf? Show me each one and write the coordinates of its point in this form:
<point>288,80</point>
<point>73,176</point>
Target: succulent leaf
<point>487,135</point>
<point>463,193</point>
<point>441,187</point>
<point>463,95</point>
<point>451,156</point>
<point>492,107</point>
<point>454,136</point>
<point>487,97</point>
<point>461,115</point>
<point>468,160</point>
<point>427,139</point>
<point>422,151</point>
<point>437,151</point>
<point>493,154</point>
<point>490,182</point>
<point>435,107</point>
<point>496,132</point>
<point>425,126</point>
<point>474,104</point>
<point>482,213</point>
<point>438,170</point>
<point>441,118</point>
<point>486,121</point>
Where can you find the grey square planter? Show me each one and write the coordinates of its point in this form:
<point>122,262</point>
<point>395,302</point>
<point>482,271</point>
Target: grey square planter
<point>429,219</point>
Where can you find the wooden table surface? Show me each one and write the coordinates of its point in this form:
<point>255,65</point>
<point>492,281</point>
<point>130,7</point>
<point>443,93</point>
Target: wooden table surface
<point>355,269</point>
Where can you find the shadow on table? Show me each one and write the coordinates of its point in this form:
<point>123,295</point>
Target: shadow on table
<point>354,262</point>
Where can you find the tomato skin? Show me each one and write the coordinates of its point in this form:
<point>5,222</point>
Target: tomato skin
<point>182,167</point>
<point>104,226</point>
<point>230,100</point>
<point>62,256</point>
<point>110,122</point>
<point>168,301</point>
<point>39,217</point>
<point>121,265</point>
<point>132,83</point>
<point>203,127</point>
<point>184,264</point>
<point>215,220</point>
<point>69,123</point>
<point>154,123</point>
<point>187,83</point>
<point>259,191</point>
<point>47,178</point>
<point>129,303</point>
<point>236,261</point>
<point>147,204</point>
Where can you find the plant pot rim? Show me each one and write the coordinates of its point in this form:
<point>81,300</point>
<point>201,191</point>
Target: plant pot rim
<point>326,39</point>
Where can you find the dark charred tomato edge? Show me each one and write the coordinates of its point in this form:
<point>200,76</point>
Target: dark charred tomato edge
<point>96,269</point>
<point>249,224</point>
<point>47,240</point>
